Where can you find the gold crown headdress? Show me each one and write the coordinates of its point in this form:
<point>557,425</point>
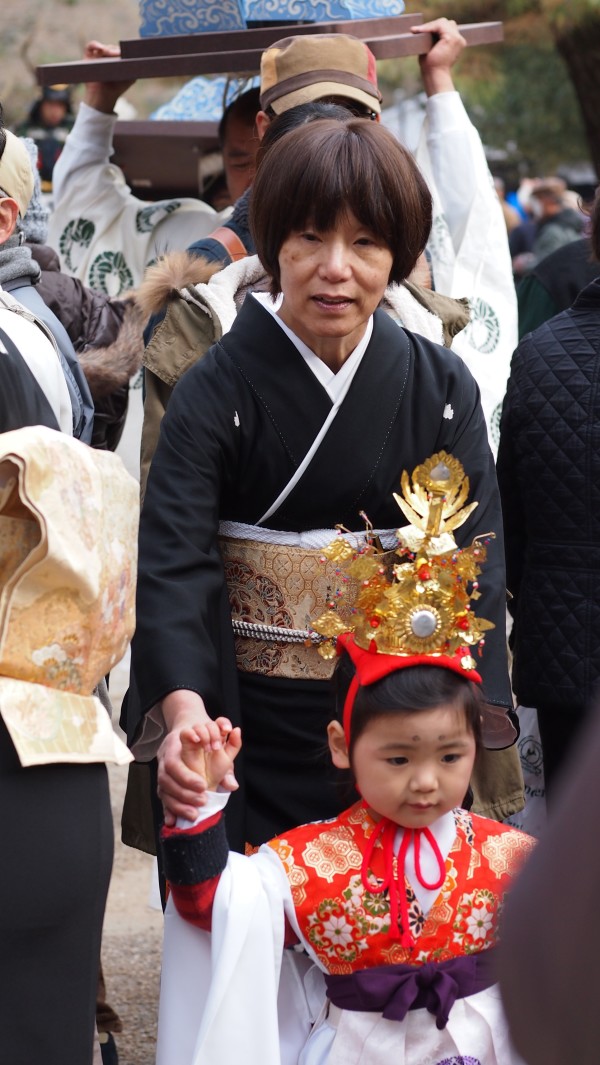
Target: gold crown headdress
<point>419,605</point>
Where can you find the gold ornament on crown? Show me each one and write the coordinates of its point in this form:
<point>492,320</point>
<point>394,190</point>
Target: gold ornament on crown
<point>417,599</point>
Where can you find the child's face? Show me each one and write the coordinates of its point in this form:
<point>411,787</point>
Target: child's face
<point>412,768</point>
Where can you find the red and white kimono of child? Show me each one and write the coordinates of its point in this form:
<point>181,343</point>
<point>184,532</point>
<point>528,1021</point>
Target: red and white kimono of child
<point>395,903</point>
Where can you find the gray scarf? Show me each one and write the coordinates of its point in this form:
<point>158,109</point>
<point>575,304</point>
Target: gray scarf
<point>16,261</point>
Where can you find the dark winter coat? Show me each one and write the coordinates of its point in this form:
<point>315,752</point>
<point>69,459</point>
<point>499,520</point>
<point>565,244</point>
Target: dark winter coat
<point>107,336</point>
<point>554,284</point>
<point>549,476</point>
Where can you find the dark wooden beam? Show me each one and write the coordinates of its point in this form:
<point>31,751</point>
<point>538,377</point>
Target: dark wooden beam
<point>144,47</point>
<point>243,60</point>
<point>163,158</point>
<point>393,47</point>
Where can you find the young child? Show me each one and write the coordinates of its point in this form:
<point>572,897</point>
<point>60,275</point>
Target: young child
<point>395,902</point>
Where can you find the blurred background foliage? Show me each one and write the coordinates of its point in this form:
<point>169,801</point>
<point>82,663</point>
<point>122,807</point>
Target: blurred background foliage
<point>536,98</point>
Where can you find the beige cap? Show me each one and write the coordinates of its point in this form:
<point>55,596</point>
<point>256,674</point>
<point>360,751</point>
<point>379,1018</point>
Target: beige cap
<point>297,70</point>
<point>16,175</point>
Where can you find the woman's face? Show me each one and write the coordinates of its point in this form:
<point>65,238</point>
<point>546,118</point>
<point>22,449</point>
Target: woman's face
<point>332,282</point>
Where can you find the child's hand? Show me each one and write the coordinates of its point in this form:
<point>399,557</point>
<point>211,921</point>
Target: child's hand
<point>215,766</point>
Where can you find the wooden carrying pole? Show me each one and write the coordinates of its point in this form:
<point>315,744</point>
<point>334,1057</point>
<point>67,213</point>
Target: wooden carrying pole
<point>239,51</point>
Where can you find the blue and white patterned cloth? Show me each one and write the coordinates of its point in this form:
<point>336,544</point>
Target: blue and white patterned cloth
<point>203,99</point>
<point>160,18</point>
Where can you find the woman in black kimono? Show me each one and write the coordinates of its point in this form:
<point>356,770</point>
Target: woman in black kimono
<point>303,416</point>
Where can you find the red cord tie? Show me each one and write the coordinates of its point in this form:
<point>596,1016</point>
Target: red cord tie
<point>385,830</point>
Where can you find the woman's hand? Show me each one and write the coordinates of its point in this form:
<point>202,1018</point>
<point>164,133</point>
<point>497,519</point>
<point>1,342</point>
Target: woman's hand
<point>181,790</point>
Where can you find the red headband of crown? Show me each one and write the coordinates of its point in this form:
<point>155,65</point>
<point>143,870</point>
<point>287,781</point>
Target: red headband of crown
<point>371,667</point>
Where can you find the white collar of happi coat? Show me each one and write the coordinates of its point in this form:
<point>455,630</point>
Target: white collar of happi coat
<point>335,384</point>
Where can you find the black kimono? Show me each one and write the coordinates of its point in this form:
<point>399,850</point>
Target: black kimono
<point>239,423</point>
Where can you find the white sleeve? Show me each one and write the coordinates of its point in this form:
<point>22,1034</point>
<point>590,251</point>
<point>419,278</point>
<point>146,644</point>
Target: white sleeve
<point>105,235</point>
<point>84,175</point>
<point>83,172</point>
<point>457,158</point>
<point>469,246</point>
<point>215,801</point>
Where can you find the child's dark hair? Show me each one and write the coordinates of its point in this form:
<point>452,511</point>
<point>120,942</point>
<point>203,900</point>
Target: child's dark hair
<point>408,690</point>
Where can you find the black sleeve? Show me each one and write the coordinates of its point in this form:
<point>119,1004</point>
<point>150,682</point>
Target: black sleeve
<point>183,637</point>
<point>194,857</point>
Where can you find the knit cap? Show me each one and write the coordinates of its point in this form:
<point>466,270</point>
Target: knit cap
<point>35,222</point>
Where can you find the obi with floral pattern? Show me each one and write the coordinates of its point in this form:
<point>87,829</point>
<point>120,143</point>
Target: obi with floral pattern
<point>68,559</point>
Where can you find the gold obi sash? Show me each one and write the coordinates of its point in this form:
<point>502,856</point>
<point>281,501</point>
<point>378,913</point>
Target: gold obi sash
<point>68,537</point>
<point>284,588</point>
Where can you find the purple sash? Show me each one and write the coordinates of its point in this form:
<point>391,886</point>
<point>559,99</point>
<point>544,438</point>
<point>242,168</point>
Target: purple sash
<point>393,990</point>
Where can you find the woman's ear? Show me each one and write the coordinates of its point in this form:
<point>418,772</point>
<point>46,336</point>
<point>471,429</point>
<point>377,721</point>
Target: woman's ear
<point>337,745</point>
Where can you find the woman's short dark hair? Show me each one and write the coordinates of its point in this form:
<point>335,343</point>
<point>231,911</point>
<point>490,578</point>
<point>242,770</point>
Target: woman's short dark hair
<point>300,115</point>
<point>408,690</point>
<point>321,171</point>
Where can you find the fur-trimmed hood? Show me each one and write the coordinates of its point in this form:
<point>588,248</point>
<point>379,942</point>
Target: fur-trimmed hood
<point>106,332</point>
<point>222,291</point>
<point>111,367</point>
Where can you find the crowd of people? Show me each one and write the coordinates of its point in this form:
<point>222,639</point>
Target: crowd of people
<point>338,351</point>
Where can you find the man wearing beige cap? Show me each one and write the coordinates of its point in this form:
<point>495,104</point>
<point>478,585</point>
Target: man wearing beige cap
<point>334,68</point>
<point>297,70</point>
